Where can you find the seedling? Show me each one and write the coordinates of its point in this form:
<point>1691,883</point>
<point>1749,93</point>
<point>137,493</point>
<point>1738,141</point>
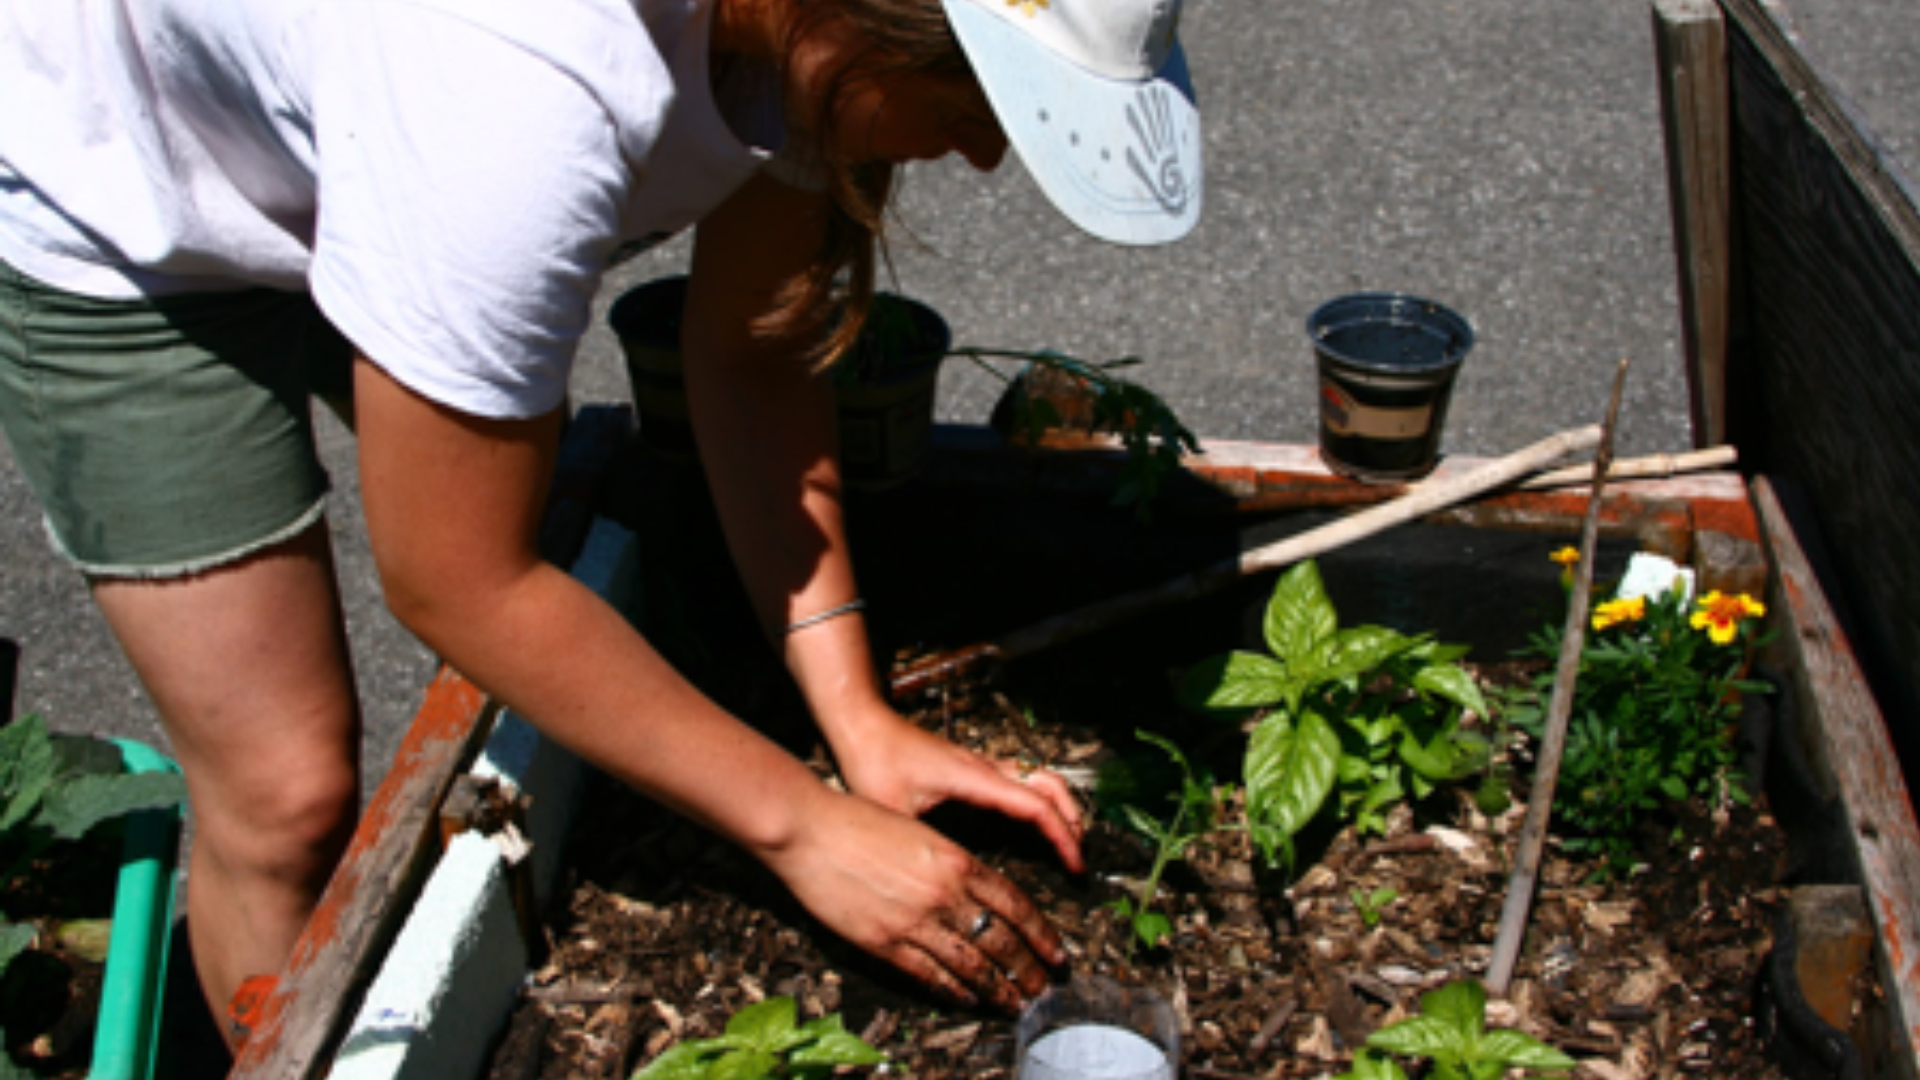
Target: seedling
<point>1451,1033</point>
<point>1191,820</point>
<point>1371,905</point>
<point>1154,438</point>
<point>763,1040</point>
<point>1365,711</point>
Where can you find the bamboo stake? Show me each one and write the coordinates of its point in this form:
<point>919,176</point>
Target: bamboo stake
<point>1105,613</point>
<point>1533,833</point>
<point>1652,466</point>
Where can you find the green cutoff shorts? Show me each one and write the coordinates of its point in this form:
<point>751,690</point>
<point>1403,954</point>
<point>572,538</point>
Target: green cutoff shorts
<point>166,436</point>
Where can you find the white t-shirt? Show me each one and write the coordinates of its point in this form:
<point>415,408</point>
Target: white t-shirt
<point>450,178</point>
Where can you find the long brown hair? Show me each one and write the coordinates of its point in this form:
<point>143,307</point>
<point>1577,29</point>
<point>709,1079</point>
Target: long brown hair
<point>904,37</point>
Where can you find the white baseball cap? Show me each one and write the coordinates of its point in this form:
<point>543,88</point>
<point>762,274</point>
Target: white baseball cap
<point>1095,97</point>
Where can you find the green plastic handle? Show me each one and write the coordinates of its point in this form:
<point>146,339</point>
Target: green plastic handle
<point>126,1037</point>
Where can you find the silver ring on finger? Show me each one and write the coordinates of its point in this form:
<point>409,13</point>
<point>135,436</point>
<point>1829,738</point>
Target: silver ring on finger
<point>981,923</point>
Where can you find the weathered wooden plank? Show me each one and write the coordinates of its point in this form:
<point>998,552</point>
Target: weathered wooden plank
<point>397,841</point>
<point>1830,251</point>
<point>1845,737</point>
<point>382,871</point>
<point>1690,49</point>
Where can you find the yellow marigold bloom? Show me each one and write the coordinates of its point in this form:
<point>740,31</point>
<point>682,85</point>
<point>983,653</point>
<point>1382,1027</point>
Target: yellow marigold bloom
<point>1567,556</point>
<point>1615,612</point>
<point>1720,615</point>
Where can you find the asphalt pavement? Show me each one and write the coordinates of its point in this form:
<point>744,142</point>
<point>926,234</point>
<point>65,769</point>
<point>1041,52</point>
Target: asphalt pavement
<point>1500,156</point>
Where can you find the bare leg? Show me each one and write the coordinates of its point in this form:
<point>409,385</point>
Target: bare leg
<point>249,668</point>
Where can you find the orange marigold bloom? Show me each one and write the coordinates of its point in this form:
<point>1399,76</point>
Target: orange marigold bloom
<point>1566,556</point>
<point>1615,612</point>
<point>1720,615</point>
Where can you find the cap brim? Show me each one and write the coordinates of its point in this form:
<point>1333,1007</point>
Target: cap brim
<point>1120,159</point>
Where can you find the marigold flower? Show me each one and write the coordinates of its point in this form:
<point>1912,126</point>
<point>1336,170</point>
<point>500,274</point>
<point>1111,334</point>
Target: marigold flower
<point>1566,556</point>
<point>1614,612</point>
<point>1720,615</point>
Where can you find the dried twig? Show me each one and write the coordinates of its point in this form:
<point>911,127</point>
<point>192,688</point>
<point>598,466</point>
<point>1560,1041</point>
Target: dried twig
<point>1533,833</point>
<point>1652,466</point>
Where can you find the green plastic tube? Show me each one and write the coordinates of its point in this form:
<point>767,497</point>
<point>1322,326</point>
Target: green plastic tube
<point>126,1037</point>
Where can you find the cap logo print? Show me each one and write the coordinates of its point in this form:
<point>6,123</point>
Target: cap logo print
<point>1151,117</point>
<point>1096,98</point>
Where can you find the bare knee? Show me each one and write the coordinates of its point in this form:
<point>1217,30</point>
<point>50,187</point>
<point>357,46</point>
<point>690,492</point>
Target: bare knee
<point>290,830</point>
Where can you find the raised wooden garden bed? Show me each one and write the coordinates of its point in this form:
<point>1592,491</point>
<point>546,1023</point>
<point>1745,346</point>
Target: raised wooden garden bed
<point>988,539</point>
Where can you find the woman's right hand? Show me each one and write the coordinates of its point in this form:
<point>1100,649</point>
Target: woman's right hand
<point>907,894</point>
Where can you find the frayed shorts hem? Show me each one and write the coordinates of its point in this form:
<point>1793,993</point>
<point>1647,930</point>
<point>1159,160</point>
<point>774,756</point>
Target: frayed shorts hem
<point>188,567</point>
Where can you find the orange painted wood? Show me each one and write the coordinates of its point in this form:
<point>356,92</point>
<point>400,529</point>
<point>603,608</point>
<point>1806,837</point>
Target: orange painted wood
<point>391,854</point>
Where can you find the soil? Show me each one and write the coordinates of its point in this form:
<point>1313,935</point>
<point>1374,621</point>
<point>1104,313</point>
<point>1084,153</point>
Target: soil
<point>659,932</point>
<point>666,932</point>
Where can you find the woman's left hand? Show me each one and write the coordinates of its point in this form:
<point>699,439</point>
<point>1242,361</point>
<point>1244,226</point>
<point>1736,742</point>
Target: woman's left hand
<point>911,770</point>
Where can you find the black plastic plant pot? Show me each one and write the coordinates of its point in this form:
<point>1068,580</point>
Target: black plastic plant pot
<point>647,320</point>
<point>1387,363</point>
<point>885,390</point>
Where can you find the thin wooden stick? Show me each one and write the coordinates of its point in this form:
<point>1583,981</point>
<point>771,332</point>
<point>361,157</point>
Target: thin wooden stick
<point>1533,833</point>
<point>1105,613</point>
<point>1640,468</point>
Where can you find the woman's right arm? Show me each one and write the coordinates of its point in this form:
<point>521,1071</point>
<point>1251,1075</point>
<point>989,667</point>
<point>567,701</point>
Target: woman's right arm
<point>453,505</point>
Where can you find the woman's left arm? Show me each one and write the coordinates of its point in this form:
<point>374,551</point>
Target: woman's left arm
<point>765,422</point>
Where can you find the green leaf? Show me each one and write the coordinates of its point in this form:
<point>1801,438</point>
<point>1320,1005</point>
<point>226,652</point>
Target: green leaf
<point>33,763</point>
<point>1151,927</point>
<point>1442,760</point>
<point>1385,792</point>
<point>744,1065</point>
<point>14,740</point>
<point>683,1061</point>
<point>8,1070</point>
<point>74,807</point>
<point>85,755</point>
<point>1144,823</point>
<point>1237,680</point>
<point>1452,683</point>
<point>1419,1036</point>
<point>1167,747</point>
<point>1290,770</point>
<point>765,1025</point>
<point>1462,1005</point>
<point>1300,615</point>
<point>835,1048</point>
<point>1515,1048</point>
<point>14,940</point>
<point>1435,653</point>
<point>1368,1065</point>
<point>1360,650</point>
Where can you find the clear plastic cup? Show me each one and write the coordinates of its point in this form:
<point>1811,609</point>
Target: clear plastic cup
<point>1093,1028</point>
